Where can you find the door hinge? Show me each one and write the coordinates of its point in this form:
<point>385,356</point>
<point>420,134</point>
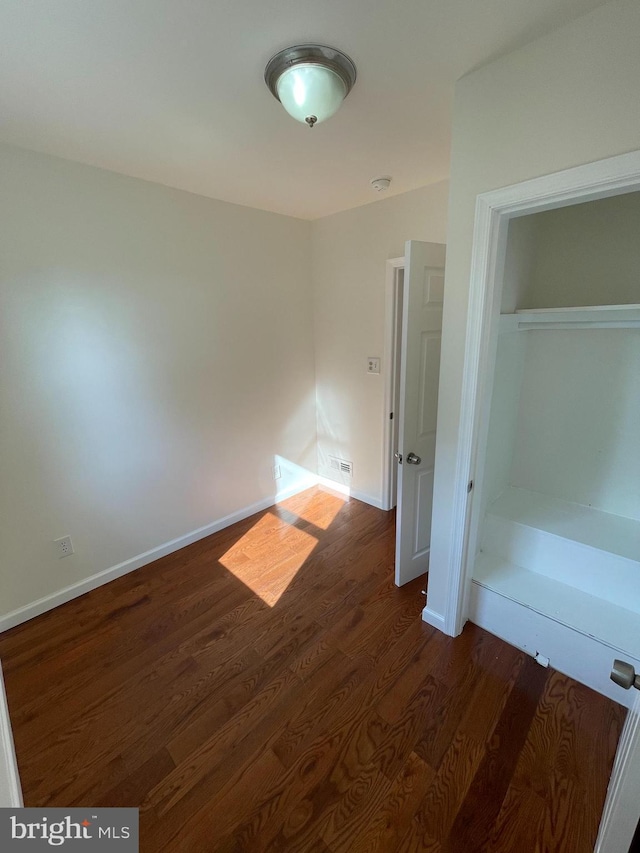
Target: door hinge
<point>390,416</point>
<point>470,486</point>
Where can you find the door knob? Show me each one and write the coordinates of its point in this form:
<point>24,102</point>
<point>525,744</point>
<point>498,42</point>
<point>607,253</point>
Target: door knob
<point>412,459</point>
<point>625,675</point>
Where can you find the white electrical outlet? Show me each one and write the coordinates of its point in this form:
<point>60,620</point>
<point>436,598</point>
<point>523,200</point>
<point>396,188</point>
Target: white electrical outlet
<point>373,364</point>
<point>64,546</point>
<point>276,472</point>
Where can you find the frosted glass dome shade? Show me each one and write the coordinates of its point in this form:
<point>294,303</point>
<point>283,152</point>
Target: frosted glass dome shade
<point>310,91</point>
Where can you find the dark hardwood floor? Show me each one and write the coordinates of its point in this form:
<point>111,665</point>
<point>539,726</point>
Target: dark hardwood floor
<point>269,688</point>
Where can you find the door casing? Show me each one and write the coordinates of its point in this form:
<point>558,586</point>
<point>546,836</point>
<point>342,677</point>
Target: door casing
<point>391,372</point>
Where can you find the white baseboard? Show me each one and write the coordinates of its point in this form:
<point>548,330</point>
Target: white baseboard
<point>48,602</point>
<point>433,618</point>
<point>298,486</point>
<point>347,490</point>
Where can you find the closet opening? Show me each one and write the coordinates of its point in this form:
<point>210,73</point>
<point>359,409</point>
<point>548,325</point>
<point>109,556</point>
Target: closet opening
<point>555,552</point>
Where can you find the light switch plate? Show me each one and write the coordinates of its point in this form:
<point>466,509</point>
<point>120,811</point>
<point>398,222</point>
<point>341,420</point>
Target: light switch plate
<point>373,364</point>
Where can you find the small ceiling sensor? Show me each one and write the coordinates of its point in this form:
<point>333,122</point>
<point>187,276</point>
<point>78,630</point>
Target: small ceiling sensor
<point>381,185</point>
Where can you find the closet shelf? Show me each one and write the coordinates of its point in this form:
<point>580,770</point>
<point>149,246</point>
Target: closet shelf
<point>580,317</point>
<point>575,522</point>
<point>611,624</point>
<point>584,548</point>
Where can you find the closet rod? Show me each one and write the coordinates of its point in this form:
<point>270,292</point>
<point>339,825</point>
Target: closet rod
<point>591,317</point>
<point>579,324</point>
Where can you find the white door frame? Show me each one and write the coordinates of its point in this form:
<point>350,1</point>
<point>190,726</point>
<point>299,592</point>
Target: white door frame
<point>10,788</point>
<point>610,177</point>
<point>621,808</point>
<point>389,358</point>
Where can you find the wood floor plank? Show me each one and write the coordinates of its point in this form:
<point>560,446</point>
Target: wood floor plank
<point>399,738</point>
<point>487,703</point>
<point>360,804</point>
<point>389,825</point>
<point>344,676</point>
<point>437,812</point>
<point>559,831</point>
<point>426,650</point>
<point>213,751</point>
<point>132,789</point>
<point>350,788</point>
<point>282,809</point>
<point>479,810</point>
<point>268,688</point>
<point>208,827</point>
<point>519,823</point>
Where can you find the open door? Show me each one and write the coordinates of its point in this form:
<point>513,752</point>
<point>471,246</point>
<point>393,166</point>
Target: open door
<point>419,376</point>
<point>621,814</point>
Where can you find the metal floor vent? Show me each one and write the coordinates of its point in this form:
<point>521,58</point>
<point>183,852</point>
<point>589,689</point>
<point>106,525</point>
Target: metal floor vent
<point>341,465</point>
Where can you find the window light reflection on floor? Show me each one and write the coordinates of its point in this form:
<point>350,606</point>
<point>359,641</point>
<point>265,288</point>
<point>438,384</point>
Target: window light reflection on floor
<point>268,557</point>
<point>332,504</point>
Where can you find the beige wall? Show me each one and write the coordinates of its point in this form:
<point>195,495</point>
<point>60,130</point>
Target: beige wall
<point>350,251</point>
<point>156,352</point>
<point>582,254</point>
<point>566,99</point>
<point>587,254</point>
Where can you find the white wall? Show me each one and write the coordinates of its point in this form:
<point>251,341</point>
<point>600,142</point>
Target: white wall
<point>566,99</point>
<point>350,251</point>
<point>579,417</point>
<point>503,420</point>
<point>156,352</point>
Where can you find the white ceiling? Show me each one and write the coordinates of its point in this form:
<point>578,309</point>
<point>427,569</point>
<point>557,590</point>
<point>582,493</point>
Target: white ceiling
<point>172,90</point>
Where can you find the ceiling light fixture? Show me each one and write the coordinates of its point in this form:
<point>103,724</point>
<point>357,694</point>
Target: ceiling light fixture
<point>310,81</point>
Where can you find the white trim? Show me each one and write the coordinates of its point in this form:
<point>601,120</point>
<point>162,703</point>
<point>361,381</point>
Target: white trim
<point>349,492</point>
<point>621,808</point>
<point>591,317</point>
<point>295,489</point>
<point>433,618</point>
<point>613,176</point>
<point>10,788</point>
<point>391,295</point>
<point>48,602</point>
<point>573,652</point>
<point>487,261</point>
<point>588,309</point>
<point>601,179</point>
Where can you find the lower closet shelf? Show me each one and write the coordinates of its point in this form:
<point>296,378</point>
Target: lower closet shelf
<point>587,614</point>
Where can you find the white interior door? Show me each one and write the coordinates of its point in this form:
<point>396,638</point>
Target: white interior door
<point>419,375</point>
<point>622,806</point>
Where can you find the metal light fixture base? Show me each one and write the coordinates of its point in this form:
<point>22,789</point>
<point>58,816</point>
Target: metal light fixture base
<point>318,54</point>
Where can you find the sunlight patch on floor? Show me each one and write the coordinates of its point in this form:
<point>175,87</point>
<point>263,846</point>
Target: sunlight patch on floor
<point>268,557</point>
<point>321,510</point>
